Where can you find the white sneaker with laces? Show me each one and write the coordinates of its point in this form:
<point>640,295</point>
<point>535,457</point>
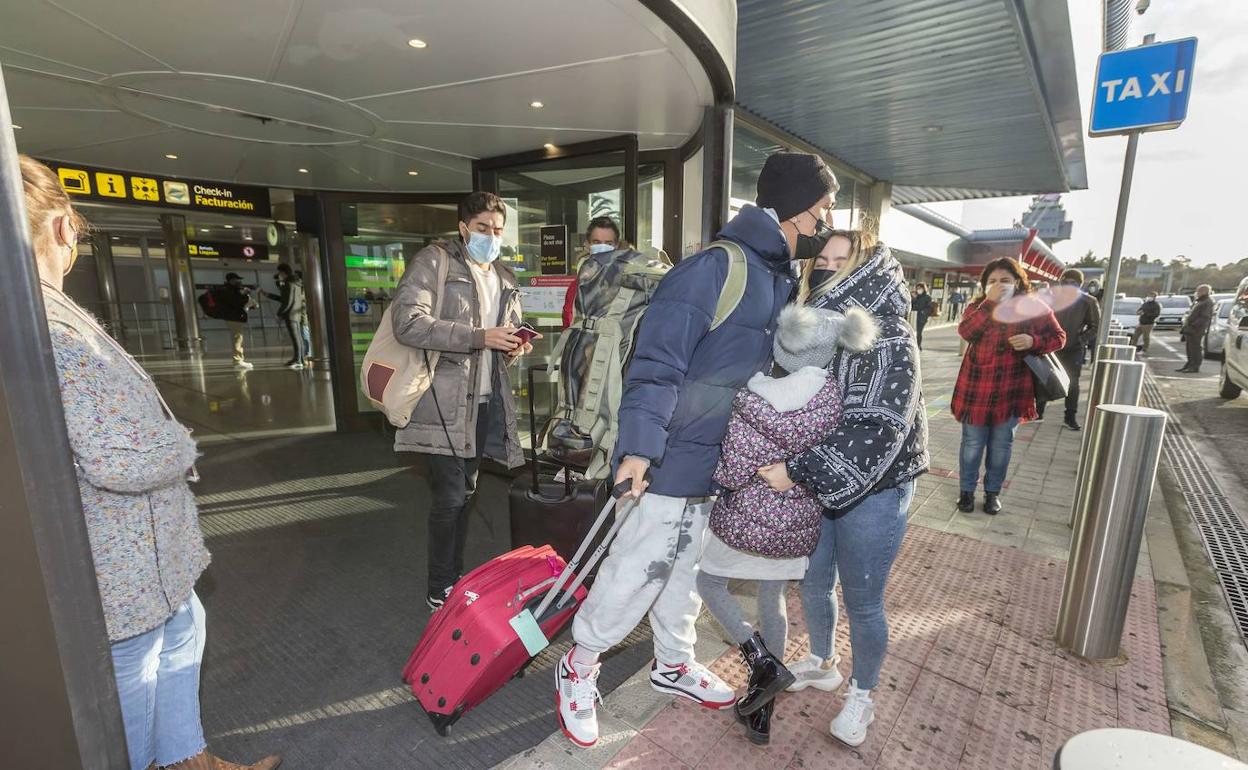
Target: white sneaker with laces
<point>813,671</point>
<point>576,698</point>
<point>694,681</point>
<point>850,726</point>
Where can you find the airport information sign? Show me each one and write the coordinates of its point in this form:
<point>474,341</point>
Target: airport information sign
<point>143,189</point>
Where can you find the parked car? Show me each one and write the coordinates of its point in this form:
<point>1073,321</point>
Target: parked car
<point>1233,377</point>
<point>1173,308</point>
<point>1215,338</point>
<point>1125,313</point>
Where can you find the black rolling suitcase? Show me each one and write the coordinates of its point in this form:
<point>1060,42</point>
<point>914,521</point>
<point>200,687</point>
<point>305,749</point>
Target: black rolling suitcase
<point>549,512</point>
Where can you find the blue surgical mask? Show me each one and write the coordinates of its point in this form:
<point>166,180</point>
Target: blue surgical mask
<point>600,248</point>
<point>484,248</point>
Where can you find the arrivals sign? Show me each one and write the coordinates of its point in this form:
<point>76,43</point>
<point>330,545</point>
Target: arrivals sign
<point>247,252</point>
<point>108,186</point>
<point>1143,89</point>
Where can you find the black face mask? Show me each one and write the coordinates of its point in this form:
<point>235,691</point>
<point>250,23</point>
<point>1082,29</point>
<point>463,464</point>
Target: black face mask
<point>809,246</point>
<point>819,277</point>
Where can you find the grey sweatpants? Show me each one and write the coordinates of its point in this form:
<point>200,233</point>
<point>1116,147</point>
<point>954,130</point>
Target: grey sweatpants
<point>727,610</point>
<point>652,567</point>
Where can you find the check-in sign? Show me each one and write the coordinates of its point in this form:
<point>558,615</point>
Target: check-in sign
<point>1143,89</point>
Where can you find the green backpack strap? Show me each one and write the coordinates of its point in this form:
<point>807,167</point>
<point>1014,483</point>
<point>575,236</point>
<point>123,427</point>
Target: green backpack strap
<point>734,285</point>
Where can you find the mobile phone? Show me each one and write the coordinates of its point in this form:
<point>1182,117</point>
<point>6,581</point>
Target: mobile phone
<point>526,333</point>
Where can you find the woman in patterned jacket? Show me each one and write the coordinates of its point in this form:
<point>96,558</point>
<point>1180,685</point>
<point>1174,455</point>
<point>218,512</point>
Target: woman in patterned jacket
<point>995,390</point>
<point>133,461</point>
<point>862,472</point>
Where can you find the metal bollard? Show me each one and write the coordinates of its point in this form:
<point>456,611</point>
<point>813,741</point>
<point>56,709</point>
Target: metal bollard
<point>1107,352</point>
<point>1117,339</point>
<point>1113,382</point>
<point>1111,503</point>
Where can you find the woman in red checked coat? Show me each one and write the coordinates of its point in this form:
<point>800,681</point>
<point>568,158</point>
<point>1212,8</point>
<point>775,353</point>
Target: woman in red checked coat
<point>995,390</point>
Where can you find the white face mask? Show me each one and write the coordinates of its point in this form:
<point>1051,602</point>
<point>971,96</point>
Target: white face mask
<point>484,248</point>
<point>601,248</point>
<point>1007,292</point>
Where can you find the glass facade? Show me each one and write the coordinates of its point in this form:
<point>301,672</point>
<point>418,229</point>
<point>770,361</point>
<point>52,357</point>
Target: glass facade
<point>750,149</point>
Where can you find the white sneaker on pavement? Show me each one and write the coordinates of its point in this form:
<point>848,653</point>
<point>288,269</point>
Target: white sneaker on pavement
<point>694,681</point>
<point>576,697</point>
<point>850,726</point>
<point>813,671</point>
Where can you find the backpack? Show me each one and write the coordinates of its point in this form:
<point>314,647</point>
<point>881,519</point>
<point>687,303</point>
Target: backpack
<point>210,305</point>
<point>613,291</point>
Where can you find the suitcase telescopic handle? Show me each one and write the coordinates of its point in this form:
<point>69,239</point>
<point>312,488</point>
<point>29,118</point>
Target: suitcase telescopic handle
<point>617,493</point>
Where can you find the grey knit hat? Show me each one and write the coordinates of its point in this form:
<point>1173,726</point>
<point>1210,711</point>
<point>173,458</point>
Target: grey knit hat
<point>807,336</point>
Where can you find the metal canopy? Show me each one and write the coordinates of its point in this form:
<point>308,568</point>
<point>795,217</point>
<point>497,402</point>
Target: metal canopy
<point>945,98</point>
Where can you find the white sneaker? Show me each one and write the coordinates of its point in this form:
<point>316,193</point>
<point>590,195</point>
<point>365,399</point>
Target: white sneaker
<point>694,681</point>
<point>244,365</point>
<point>813,671</point>
<point>850,726</point>
<point>296,366</point>
<point>576,700</point>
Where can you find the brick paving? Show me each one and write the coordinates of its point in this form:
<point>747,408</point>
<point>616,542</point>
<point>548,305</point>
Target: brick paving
<point>973,678</point>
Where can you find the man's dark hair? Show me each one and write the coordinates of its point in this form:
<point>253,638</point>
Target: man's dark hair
<point>921,285</point>
<point>1073,276</point>
<point>284,268</point>
<point>480,202</point>
<point>602,223</point>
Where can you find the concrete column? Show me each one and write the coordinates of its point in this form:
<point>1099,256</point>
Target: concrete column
<point>181,284</point>
<point>879,200</point>
<point>106,274</point>
<point>314,291</point>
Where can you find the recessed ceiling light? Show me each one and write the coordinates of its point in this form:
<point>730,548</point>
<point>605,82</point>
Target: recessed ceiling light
<point>17,127</point>
<point>171,156</point>
<point>116,237</point>
<point>549,146</point>
<point>203,229</point>
<point>417,43</point>
<point>303,171</point>
<point>229,227</point>
<point>536,105</point>
<point>933,129</point>
<point>413,172</point>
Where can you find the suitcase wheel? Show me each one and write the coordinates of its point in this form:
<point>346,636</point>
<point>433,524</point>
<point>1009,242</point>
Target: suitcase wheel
<point>442,722</point>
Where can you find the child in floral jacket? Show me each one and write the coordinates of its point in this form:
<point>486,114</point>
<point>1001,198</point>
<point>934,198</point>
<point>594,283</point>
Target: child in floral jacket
<point>757,533</point>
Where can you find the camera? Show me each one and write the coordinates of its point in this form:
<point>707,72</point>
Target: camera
<point>1142,6</point>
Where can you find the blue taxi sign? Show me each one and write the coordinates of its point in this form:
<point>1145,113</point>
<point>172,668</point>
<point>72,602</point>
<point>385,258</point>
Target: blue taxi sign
<point>1143,89</point>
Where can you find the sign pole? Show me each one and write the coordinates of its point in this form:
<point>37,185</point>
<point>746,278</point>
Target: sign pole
<point>1120,224</point>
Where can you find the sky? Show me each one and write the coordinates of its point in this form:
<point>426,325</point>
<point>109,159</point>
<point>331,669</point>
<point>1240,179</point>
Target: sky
<point>1188,193</point>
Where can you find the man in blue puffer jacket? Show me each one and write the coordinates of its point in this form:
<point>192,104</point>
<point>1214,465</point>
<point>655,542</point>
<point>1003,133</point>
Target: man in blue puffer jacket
<point>677,400</point>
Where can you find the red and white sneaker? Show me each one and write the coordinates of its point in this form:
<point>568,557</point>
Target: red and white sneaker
<point>694,681</point>
<point>576,697</point>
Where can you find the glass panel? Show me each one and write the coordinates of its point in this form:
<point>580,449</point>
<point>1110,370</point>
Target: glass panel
<point>567,191</point>
<point>650,206</point>
<point>691,206</point>
<point>386,235</point>
<point>750,150</point>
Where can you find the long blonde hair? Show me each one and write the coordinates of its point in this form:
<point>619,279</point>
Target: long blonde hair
<point>861,245</point>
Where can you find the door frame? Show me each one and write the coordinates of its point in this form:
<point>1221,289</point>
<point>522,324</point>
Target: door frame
<point>347,414</point>
<point>485,176</point>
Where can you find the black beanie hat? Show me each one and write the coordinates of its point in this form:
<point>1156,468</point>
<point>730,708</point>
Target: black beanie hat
<point>792,182</point>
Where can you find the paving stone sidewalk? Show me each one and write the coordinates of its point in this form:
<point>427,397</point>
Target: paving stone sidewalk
<point>972,680</point>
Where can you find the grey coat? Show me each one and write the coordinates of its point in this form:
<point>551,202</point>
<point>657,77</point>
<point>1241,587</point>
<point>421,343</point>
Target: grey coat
<point>132,462</point>
<point>459,334</point>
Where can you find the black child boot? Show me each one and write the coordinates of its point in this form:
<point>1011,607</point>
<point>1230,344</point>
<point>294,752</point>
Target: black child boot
<point>768,676</point>
<point>758,725</point>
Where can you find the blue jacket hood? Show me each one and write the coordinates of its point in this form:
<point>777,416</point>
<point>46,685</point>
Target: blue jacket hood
<point>755,229</point>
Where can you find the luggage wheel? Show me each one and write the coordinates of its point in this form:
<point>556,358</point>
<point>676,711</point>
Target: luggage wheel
<point>442,722</point>
<point>523,670</point>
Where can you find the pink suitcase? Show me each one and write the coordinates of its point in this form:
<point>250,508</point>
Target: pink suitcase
<point>469,649</point>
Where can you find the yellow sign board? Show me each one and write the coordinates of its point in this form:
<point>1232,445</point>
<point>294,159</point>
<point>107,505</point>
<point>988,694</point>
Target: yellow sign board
<point>144,188</point>
<point>110,185</point>
<point>75,181</point>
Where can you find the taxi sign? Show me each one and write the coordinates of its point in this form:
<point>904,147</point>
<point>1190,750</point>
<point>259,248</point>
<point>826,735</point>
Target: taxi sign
<point>1143,89</point>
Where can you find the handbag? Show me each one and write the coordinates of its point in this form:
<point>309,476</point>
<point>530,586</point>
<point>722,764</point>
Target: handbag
<point>394,376</point>
<point>1052,380</point>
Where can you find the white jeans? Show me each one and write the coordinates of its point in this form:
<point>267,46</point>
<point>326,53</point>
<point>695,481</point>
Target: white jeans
<point>652,567</point>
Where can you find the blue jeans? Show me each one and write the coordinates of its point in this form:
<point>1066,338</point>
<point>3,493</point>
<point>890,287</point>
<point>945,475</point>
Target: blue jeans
<point>158,681</point>
<point>305,332</point>
<point>858,547</point>
<point>998,441</point>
